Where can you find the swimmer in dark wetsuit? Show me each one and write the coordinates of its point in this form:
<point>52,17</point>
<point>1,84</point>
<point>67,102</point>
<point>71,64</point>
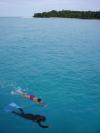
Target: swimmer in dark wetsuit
<point>35,118</point>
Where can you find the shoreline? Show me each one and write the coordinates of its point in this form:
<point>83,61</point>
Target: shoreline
<point>69,14</point>
<point>65,18</point>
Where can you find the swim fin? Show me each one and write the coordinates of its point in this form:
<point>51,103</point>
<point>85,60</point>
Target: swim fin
<point>11,107</point>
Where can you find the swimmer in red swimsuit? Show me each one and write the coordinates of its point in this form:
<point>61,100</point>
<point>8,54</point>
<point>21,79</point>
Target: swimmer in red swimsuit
<point>31,97</point>
<point>36,99</point>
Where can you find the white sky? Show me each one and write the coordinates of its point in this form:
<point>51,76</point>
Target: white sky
<point>29,7</point>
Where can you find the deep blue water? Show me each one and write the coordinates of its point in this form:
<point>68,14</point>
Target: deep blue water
<point>57,60</point>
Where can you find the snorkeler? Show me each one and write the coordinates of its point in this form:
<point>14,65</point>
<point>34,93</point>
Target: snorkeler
<point>35,118</point>
<point>31,97</point>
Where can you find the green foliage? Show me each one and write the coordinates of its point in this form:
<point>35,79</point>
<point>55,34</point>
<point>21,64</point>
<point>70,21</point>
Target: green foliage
<point>69,14</point>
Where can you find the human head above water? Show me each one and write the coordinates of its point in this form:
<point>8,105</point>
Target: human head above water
<point>42,118</point>
<point>39,100</point>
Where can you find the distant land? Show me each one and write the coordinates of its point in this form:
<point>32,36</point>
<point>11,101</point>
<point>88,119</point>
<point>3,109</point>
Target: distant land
<point>69,14</point>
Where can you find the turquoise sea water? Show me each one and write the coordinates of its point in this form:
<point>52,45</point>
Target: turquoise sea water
<point>57,60</point>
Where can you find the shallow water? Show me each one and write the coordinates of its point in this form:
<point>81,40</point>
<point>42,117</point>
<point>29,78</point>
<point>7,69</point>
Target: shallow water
<point>57,60</point>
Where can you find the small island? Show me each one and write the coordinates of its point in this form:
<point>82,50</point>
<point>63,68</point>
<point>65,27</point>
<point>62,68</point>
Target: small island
<point>69,14</point>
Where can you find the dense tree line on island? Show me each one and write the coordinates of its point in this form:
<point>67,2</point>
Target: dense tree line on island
<point>69,14</point>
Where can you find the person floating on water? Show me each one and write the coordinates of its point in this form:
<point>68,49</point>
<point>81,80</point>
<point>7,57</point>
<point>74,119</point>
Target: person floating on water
<point>35,118</point>
<point>35,99</point>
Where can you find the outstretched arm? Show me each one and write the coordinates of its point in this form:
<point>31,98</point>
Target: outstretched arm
<point>41,104</point>
<point>43,126</point>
